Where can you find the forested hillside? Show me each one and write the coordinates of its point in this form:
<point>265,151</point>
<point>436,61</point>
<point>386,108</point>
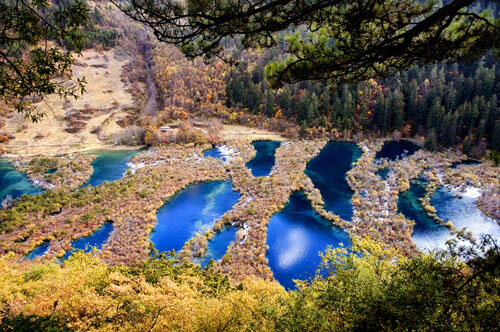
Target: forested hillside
<point>228,165</point>
<point>450,104</point>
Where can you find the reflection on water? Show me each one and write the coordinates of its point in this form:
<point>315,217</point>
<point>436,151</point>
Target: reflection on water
<point>427,234</point>
<point>192,210</point>
<point>451,205</point>
<point>462,211</point>
<point>295,236</point>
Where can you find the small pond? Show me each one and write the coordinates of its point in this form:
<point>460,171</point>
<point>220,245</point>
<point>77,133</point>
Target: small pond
<point>192,210</point>
<point>221,152</point>
<point>465,162</point>
<point>38,251</point>
<point>264,159</point>
<point>393,150</point>
<point>328,173</point>
<point>217,246</point>
<point>94,240</point>
<point>14,183</point>
<point>383,173</point>
<point>295,236</point>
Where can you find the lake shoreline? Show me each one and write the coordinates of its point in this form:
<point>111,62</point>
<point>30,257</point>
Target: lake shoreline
<point>161,172</point>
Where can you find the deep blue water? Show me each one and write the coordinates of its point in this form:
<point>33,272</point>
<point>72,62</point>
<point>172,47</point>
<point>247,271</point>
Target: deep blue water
<point>383,173</point>
<point>192,210</point>
<point>328,173</point>
<point>465,162</point>
<point>217,246</point>
<point>295,236</point>
<point>215,152</point>
<point>393,150</point>
<point>264,159</point>
<point>427,234</point>
<point>96,239</point>
<point>38,251</point>
<point>14,183</point>
<point>110,165</point>
<point>462,211</point>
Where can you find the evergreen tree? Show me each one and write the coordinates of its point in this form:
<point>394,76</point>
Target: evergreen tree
<point>398,108</point>
<point>325,100</point>
<point>269,104</point>
<point>285,100</point>
<point>495,138</point>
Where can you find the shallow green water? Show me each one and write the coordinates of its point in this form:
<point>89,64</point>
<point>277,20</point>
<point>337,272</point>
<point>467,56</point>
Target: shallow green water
<point>110,165</point>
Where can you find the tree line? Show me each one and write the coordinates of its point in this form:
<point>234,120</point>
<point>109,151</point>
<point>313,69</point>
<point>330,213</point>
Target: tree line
<point>449,104</point>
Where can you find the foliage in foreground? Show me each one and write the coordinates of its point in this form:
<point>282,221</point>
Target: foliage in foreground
<point>364,289</point>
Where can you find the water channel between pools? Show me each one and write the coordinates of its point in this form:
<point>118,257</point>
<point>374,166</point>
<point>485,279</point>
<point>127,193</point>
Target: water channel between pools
<point>328,173</point>
<point>264,159</point>
<point>297,233</point>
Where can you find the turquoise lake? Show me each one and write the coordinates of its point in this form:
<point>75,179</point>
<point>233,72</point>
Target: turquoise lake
<point>110,165</point>
<point>328,173</point>
<point>192,210</point>
<point>461,209</point>
<point>451,205</point>
<point>295,236</point>
<point>297,233</point>
<point>264,159</point>
<point>14,183</point>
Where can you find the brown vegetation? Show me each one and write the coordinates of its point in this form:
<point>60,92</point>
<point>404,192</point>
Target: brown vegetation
<point>67,171</point>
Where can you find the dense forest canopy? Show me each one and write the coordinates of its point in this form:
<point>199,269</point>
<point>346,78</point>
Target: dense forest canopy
<point>449,104</point>
<point>342,41</point>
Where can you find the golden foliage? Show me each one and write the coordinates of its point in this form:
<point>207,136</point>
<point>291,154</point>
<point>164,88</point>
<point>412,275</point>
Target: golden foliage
<point>92,295</point>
